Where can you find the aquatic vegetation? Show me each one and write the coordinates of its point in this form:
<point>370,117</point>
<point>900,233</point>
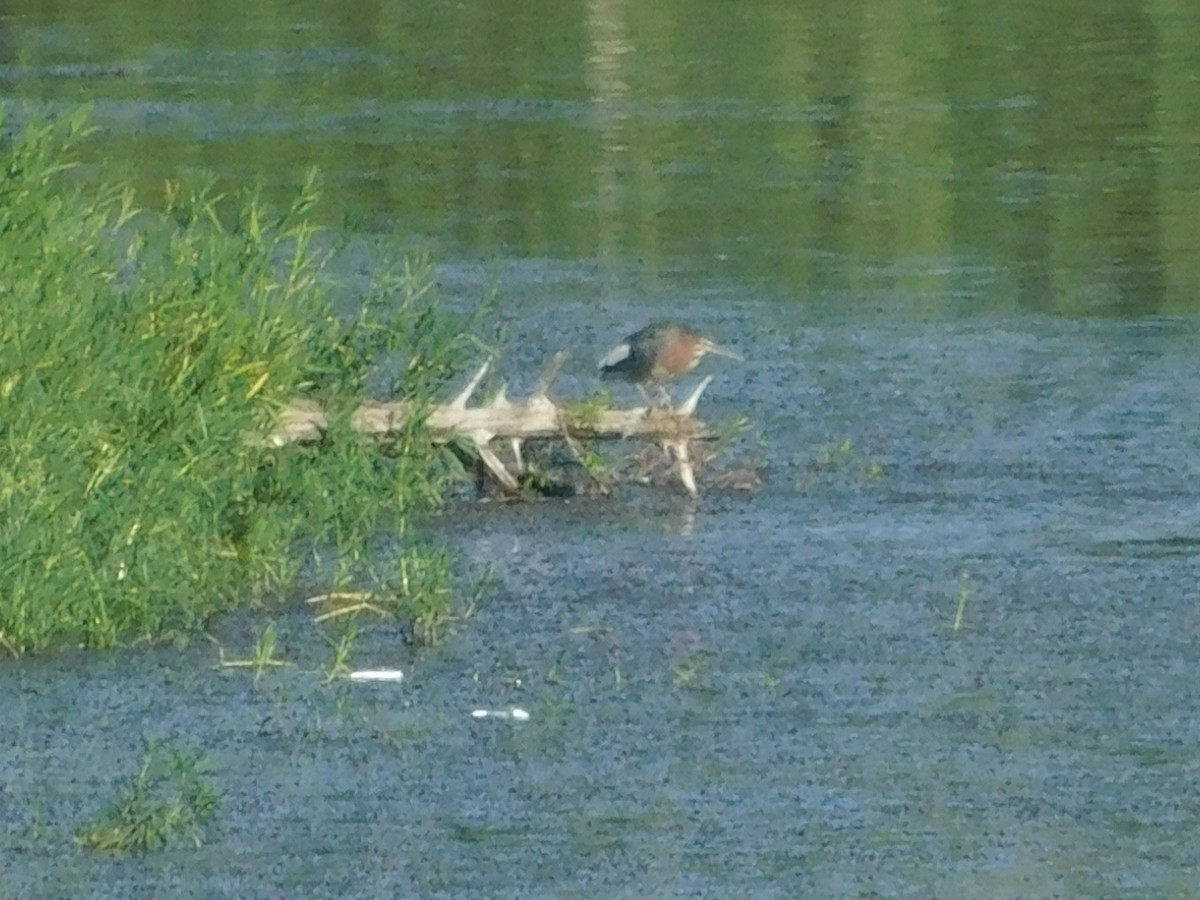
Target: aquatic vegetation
<point>339,664</point>
<point>423,592</point>
<point>693,670</point>
<point>841,459</point>
<point>171,798</point>
<point>964,597</point>
<point>144,354</point>
<point>831,457</point>
<point>261,659</point>
<point>587,412</point>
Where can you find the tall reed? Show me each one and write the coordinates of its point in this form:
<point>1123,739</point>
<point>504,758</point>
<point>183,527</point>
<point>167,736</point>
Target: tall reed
<point>142,353</point>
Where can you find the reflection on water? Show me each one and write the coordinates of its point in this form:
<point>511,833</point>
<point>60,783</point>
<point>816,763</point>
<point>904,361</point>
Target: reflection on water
<point>1022,157</point>
<point>761,693</point>
<point>605,81</point>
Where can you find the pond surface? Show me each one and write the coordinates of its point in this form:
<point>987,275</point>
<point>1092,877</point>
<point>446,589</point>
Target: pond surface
<point>957,246</point>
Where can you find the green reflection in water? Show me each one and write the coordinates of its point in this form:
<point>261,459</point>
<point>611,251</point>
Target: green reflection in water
<point>940,159</point>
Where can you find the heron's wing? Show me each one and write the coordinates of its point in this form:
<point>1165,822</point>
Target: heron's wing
<point>615,356</point>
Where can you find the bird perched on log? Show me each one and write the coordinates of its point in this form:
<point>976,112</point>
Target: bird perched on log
<point>659,352</point>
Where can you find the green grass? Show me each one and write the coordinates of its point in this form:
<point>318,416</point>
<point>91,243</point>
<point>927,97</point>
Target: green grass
<point>171,798</point>
<point>262,658</point>
<point>339,665</point>
<point>142,356</point>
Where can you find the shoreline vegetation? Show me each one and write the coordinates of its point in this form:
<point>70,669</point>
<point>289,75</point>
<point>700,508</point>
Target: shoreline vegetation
<point>140,350</point>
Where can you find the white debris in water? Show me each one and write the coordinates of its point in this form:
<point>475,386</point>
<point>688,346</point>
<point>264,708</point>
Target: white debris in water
<point>516,714</point>
<point>377,675</point>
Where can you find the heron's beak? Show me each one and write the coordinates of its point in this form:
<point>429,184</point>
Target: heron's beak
<point>709,347</point>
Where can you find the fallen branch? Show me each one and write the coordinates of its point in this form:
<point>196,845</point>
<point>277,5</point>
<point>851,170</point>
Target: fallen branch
<point>537,418</point>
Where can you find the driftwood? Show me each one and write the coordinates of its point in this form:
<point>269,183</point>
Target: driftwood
<point>537,418</point>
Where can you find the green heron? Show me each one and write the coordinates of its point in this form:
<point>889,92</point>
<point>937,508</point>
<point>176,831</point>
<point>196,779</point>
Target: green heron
<point>656,354</point>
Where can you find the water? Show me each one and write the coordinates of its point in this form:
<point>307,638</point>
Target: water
<point>956,250</point>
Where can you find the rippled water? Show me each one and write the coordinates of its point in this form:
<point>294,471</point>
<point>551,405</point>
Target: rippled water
<point>964,293</point>
<point>759,693</point>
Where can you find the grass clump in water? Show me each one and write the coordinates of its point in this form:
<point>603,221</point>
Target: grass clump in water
<point>262,658</point>
<point>141,357</point>
<point>171,798</point>
<point>964,597</point>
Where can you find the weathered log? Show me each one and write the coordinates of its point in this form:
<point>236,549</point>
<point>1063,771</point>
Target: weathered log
<point>537,418</point>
